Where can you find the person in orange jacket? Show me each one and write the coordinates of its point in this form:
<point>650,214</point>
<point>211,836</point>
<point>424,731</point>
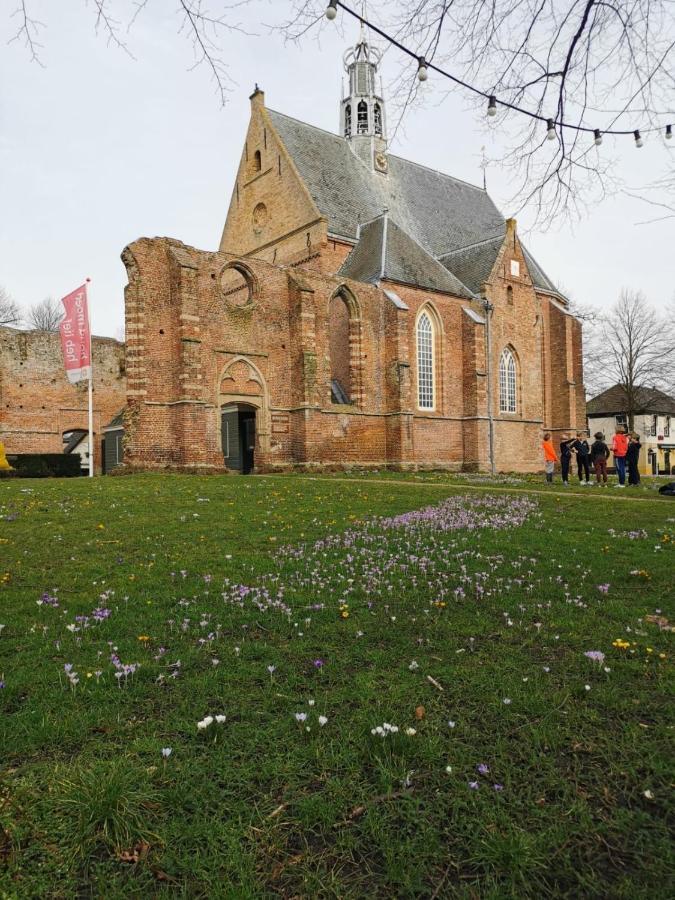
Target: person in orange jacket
<point>550,456</point>
<point>619,449</point>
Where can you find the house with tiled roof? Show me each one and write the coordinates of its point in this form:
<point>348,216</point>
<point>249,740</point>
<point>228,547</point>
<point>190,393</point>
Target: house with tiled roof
<point>361,309</point>
<point>653,418</point>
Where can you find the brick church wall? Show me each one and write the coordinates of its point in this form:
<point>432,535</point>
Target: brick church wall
<point>38,404</point>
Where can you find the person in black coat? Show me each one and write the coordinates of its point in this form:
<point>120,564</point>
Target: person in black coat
<point>583,451</point>
<point>565,456</point>
<point>633,458</point>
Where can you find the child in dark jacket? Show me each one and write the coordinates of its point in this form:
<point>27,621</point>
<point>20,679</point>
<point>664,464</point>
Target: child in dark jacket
<point>633,457</point>
<point>599,457</point>
<point>580,446</point>
<point>565,456</point>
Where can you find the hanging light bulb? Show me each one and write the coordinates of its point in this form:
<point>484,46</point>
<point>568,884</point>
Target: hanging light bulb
<point>331,11</point>
<point>550,130</point>
<point>638,140</point>
<point>492,106</point>
<point>422,71</point>
<point>669,132</point>
<point>597,137</point>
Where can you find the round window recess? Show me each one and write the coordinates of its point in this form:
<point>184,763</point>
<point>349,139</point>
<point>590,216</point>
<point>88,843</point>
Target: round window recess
<point>260,217</point>
<point>237,286</point>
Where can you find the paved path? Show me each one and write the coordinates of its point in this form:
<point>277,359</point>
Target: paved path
<point>610,493</point>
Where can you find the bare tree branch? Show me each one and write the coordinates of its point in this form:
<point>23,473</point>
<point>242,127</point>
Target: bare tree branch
<point>10,314</point>
<point>45,316</point>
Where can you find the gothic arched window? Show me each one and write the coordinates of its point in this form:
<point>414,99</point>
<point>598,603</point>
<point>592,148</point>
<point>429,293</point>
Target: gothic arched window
<point>257,161</point>
<point>338,345</point>
<point>348,120</point>
<point>425,362</point>
<point>377,117</point>
<point>507,381</point>
<point>362,118</point>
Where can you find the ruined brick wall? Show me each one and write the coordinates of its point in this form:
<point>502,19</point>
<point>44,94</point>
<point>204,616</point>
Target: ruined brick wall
<point>37,403</point>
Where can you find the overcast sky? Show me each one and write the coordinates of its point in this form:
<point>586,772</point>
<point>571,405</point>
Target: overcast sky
<point>98,149</point>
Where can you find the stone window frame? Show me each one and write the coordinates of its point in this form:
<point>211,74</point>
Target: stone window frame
<point>431,313</point>
<point>508,380</point>
<point>350,300</point>
<point>249,278</point>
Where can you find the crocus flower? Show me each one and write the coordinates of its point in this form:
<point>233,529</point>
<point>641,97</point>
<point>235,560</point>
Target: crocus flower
<point>322,720</point>
<point>166,752</point>
<point>473,785</point>
<point>482,769</point>
<point>596,655</point>
<point>300,717</point>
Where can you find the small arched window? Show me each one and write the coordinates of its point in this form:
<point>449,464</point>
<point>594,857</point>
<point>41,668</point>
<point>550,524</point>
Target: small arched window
<point>377,118</point>
<point>362,118</point>
<point>257,161</point>
<point>348,120</point>
<point>509,295</point>
<point>507,381</point>
<point>425,362</point>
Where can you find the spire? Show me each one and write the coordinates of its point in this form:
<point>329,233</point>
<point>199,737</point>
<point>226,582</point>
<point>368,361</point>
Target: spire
<point>362,112</point>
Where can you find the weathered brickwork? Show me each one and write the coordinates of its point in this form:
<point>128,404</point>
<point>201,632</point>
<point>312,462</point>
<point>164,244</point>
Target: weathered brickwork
<point>266,323</point>
<point>38,404</point>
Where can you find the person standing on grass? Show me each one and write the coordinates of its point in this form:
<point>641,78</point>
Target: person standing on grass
<point>599,457</point>
<point>619,449</point>
<point>550,456</point>
<point>632,458</point>
<point>583,451</point>
<point>566,456</point>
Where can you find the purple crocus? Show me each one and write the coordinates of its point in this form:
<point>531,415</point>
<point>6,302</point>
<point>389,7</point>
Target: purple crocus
<point>482,769</point>
<point>596,655</point>
<point>498,787</point>
<point>318,663</point>
<point>474,785</point>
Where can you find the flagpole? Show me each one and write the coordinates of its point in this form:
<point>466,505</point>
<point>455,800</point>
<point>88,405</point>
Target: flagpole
<point>90,392</point>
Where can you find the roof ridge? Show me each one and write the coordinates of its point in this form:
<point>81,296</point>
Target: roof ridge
<point>412,162</point>
<point>496,237</point>
<point>391,155</point>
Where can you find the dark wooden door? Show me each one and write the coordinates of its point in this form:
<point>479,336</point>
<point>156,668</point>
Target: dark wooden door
<point>247,430</point>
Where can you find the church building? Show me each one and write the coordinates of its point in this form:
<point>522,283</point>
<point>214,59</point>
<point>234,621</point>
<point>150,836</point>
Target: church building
<point>361,309</point>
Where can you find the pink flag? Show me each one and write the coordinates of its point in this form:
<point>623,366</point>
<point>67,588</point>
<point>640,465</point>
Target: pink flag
<point>75,337</point>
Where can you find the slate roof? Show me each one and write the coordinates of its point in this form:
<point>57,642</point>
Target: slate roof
<point>439,213</point>
<point>613,401</point>
<point>400,259</point>
<point>473,264</point>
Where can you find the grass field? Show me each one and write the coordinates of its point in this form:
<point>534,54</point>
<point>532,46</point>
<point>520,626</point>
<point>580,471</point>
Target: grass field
<point>319,615</point>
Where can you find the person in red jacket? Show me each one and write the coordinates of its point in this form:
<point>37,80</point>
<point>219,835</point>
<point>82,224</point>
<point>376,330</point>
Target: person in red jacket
<point>619,449</point>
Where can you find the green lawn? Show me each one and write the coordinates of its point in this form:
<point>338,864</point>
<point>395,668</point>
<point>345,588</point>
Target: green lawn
<point>132,608</point>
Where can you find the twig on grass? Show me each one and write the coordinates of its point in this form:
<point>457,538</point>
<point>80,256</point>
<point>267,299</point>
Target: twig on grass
<point>434,682</point>
<point>357,811</point>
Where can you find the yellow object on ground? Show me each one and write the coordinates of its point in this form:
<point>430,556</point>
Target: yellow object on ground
<point>4,465</point>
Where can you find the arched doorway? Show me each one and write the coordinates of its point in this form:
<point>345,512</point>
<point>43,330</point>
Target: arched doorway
<point>237,433</point>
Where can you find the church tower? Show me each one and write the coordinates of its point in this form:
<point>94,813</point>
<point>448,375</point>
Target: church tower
<point>362,114</point>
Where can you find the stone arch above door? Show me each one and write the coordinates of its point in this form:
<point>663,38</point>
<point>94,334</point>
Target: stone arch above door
<point>241,381</point>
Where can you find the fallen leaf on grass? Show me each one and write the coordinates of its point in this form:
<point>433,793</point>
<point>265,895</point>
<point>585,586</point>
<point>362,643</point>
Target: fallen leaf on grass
<point>420,712</point>
<point>135,854</point>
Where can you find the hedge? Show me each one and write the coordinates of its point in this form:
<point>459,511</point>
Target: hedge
<point>45,465</point>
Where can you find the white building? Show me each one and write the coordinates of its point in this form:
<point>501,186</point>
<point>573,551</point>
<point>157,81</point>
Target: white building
<point>653,420</point>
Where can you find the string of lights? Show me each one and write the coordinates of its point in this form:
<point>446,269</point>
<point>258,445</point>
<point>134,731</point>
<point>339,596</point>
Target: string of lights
<point>424,65</point>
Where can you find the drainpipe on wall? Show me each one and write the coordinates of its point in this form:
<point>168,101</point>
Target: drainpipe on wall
<point>489,308</point>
